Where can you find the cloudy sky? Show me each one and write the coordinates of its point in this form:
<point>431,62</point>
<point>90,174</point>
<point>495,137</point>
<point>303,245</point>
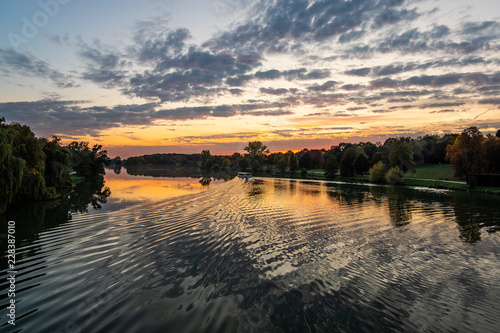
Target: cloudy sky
<point>181,76</point>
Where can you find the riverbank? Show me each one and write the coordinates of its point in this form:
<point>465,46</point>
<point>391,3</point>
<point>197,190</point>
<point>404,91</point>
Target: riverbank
<point>432,176</point>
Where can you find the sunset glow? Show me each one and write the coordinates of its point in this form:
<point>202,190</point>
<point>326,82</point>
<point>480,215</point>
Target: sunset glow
<point>168,76</point>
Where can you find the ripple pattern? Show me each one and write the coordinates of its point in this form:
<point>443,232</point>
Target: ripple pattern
<point>266,255</point>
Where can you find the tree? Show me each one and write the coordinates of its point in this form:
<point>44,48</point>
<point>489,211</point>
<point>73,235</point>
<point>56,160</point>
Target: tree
<point>87,161</point>
<point>467,154</point>
<point>293,164</point>
<point>377,172</point>
<point>361,164</point>
<point>306,161</point>
<point>206,159</point>
<point>378,156</point>
<point>331,166</point>
<point>401,154</point>
<point>256,165</point>
<point>282,163</point>
<point>226,163</point>
<point>57,163</point>
<point>347,161</point>
<point>393,176</point>
<point>497,134</point>
<point>256,149</point>
<point>243,164</point>
<point>492,152</point>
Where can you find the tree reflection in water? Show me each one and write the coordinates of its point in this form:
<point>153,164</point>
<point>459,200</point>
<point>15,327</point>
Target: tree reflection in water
<point>33,217</point>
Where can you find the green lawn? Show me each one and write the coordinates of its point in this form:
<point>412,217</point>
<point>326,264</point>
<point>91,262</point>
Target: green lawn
<point>433,171</point>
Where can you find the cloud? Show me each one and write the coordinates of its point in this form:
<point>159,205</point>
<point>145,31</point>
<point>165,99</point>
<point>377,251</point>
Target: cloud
<point>495,101</point>
<point>322,87</point>
<point>13,61</point>
<point>281,24</point>
<point>76,119</point>
<point>271,91</point>
<point>441,105</point>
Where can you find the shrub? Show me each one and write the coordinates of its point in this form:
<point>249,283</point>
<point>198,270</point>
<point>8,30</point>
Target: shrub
<point>393,176</point>
<point>377,172</point>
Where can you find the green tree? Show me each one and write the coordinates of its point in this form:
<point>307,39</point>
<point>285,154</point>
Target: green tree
<point>378,156</point>
<point>282,163</point>
<point>401,154</point>
<point>57,163</point>
<point>377,172</point>
<point>347,162</point>
<point>361,164</point>
<point>467,154</point>
<point>331,166</point>
<point>88,161</point>
<point>256,149</point>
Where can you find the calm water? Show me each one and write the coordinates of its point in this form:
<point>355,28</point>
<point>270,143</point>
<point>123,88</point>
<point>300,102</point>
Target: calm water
<point>156,254</point>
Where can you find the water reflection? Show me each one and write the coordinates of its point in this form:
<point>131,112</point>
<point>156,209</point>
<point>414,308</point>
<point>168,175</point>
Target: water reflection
<point>261,255</point>
<point>33,217</point>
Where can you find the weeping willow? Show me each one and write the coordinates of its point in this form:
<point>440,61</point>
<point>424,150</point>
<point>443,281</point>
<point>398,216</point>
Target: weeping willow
<point>34,168</point>
<point>22,165</point>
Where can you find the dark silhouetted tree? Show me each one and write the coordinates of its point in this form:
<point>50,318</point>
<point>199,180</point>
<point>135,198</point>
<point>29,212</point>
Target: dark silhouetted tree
<point>467,154</point>
<point>331,166</point>
<point>361,164</point>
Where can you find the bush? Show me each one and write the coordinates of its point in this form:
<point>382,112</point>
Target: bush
<point>393,176</point>
<point>377,172</point>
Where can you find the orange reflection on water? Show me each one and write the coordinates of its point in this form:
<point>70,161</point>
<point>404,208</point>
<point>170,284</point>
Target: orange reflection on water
<point>128,187</point>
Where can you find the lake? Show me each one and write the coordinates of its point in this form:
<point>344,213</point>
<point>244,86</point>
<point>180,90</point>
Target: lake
<point>188,254</point>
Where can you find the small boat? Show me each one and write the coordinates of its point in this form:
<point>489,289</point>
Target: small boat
<point>244,175</point>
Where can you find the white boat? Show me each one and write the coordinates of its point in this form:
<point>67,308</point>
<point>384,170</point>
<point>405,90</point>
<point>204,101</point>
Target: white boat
<point>244,175</point>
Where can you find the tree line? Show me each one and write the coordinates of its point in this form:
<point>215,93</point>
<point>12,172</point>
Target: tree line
<point>34,168</point>
<point>387,162</point>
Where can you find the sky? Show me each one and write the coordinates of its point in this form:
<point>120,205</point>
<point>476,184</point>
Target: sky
<point>153,76</point>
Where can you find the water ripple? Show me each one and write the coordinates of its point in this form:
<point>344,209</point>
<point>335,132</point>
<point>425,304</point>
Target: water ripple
<point>263,255</point>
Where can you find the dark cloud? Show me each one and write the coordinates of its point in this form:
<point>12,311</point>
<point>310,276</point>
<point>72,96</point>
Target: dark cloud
<point>322,87</point>
<point>478,27</point>
<point>401,107</point>
<point>271,91</point>
<point>439,31</point>
<point>365,71</point>
<point>441,105</point>
<point>495,101</point>
<point>285,22</point>
<point>13,61</point>
<point>392,16</point>
<point>236,91</point>
<point>352,86</point>
<point>268,75</point>
<point>104,67</point>
<point>443,111</point>
<point>72,117</point>
<point>238,81</point>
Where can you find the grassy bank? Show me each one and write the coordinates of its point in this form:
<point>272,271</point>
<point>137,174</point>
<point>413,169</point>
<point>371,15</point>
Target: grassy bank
<point>433,171</point>
<point>438,176</point>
